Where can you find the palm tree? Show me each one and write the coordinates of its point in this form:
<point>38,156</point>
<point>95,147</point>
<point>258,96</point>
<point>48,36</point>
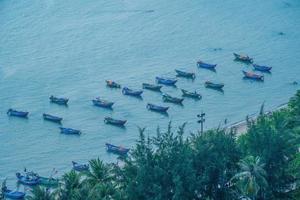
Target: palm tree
<point>98,173</point>
<point>251,180</point>
<point>70,182</point>
<point>40,193</point>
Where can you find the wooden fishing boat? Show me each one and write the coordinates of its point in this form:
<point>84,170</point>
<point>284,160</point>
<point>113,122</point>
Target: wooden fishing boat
<point>102,103</point>
<point>253,76</point>
<point>117,122</point>
<point>116,149</point>
<point>243,58</point>
<point>27,179</point>
<point>157,108</point>
<point>130,92</point>
<point>15,113</point>
<point>152,87</point>
<point>69,131</point>
<point>166,81</point>
<point>191,94</point>
<point>185,74</point>
<point>52,118</point>
<point>58,100</point>
<point>12,194</point>
<point>262,68</point>
<point>80,167</point>
<point>206,65</point>
<point>218,86</point>
<point>112,84</point>
<point>169,98</point>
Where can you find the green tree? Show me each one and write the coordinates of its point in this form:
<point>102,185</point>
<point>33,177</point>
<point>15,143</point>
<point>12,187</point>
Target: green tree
<point>251,178</point>
<point>40,193</point>
<point>216,155</point>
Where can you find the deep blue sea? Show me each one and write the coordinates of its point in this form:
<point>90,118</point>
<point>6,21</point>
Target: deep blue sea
<point>69,48</point>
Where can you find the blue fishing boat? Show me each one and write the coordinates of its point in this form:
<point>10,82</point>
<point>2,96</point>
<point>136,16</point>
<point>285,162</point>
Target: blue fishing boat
<point>69,131</point>
<point>52,118</point>
<point>218,86</point>
<point>116,149</point>
<point>152,87</point>
<point>243,58</point>
<point>58,100</point>
<point>12,112</point>
<point>102,103</point>
<point>117,122</point>
<point>191,94</point>
<point>166,81</point>
<point>80,167</point>
<point>157,108</point>
<point>262,68</point>
<point>253,76</point>
<point>112,84</point>
<point>206,65</point>
<point>185,74</point>
<point>169,98</point>
<point>127,91</point>
<point>27,179</point>
<point>12,194</point>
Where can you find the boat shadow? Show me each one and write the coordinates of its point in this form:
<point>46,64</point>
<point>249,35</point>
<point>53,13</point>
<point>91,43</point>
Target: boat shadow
<point>253,80</point>
<point>217,89</point>
<point>244,62</point>
<point>166,114</point>
<point>123,127</point>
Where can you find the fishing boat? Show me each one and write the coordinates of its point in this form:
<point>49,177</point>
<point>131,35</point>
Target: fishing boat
<point>48,182</point>
<point>206,65</point>
<point>12,112</point>
<point>69,131</point>
<point>243,58</point>
<point>58,100</point>
<point>116,149</point>
<point>52,118</point>
<point>157,108</point>
<point>12,194</point>
<point>262,68</point>
<point>80,167</point>
<point>112,84</point>
<point>218,86</point>
<point>27,179</point>
<point>171,99</point>
<point>166,81</point>
<point>152,87</point>
<point>130,92</point>
<point>117,122</point>
<point>102,103</point>
<point>253,76</point>
<point>191,94</point>
<point>185,74</point>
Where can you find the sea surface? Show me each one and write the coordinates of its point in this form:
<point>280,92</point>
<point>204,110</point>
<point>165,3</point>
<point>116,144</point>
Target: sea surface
<point>69,48</point>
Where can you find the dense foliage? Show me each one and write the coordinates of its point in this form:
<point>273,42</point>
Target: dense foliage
<point>263,163</point>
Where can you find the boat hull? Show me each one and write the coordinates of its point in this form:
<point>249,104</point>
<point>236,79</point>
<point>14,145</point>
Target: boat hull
<point>103,104</point>
<point>253,76</point>
<point>116,149</point>
<point>152,87</point>
<point>15,113</point>
<point>116,122</point>
<point>52,118</point>
<point>157,108</point>
<point>165,81</point>
<point>168,98</point>
<point>262,68</point>
<point>69,131</point>
<point>136,93</point>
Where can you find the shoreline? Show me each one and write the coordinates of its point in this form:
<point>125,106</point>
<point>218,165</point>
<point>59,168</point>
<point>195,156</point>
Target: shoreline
<point>241,126</point>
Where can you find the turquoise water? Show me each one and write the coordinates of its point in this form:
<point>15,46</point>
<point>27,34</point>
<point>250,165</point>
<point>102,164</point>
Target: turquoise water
<point>68,48</point>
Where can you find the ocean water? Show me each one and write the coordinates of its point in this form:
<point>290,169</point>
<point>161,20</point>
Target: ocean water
<point>68,48</point>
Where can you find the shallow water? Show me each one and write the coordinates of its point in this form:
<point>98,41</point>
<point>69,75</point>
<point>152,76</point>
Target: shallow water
<point>68,48</point>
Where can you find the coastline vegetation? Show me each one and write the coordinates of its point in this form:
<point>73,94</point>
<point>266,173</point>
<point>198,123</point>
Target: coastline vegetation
<point>263,163</point>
